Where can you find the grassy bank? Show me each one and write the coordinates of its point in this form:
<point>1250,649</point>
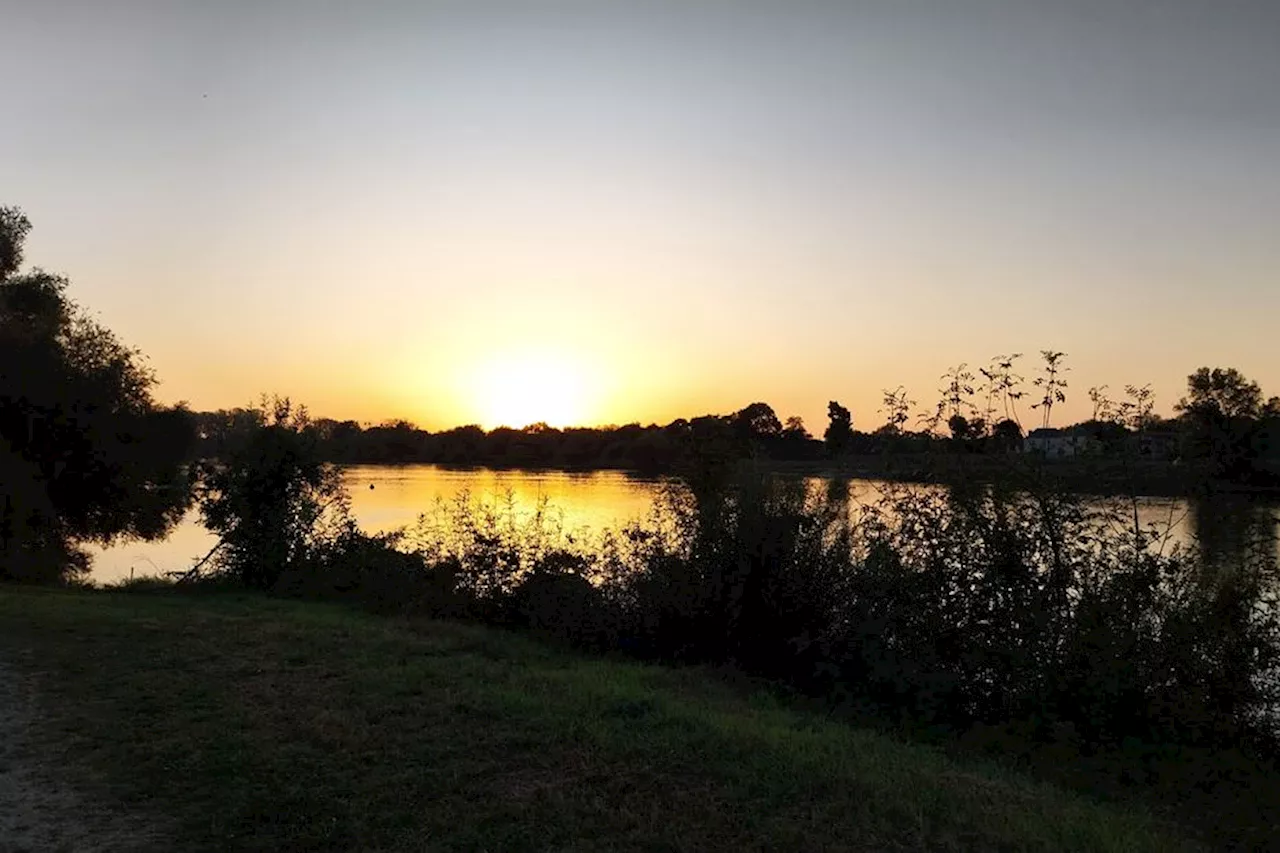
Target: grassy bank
<point>261,724</point>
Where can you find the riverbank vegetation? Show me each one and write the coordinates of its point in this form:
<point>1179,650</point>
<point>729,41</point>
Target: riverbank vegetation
<point>1017,618</point>
<point>86,453</point>
<point>1003,613</point>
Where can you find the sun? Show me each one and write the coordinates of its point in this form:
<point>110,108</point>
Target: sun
<point>519,390</point>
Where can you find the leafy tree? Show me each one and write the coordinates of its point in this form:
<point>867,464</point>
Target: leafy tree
<point>1110,434</point>
<point>1223,412</point>
<point>272,501</point>
<point>14,227</point>
<point>86,454</point>
<point>795,430</point>
<point>757,421</point>
<point>219,431</point>
<point>710,446</point>
<point>1271,427</point>
<point>1007,435</point>
<point>960,427</point>
<point>839,431</point>
<point>1224,393</point>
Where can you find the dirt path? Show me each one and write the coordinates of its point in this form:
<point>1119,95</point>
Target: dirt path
<point>44,807</point>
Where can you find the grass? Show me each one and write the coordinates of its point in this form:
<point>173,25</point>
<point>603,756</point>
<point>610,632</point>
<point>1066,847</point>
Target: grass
<point>262,724</point>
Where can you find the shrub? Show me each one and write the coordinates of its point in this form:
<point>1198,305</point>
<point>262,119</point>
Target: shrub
<point>557,600</point>
<point>274,504</point>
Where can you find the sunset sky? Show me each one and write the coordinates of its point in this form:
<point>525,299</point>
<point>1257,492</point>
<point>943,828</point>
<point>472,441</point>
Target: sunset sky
<point>602,212</point>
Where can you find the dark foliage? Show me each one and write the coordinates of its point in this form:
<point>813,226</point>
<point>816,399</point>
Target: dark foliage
<point>274,504</point>
<point>1228,423</point>
<point>86,455</point>
<point>557,600</point>
<point>1009,611</point>
<point>1012,602</point>
<point>951,608</point>
<point>839,434</point>
<point>1227,448</point>
<point>753,431</point>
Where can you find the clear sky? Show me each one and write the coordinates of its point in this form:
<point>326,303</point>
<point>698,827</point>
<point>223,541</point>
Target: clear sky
<point>605,212</point>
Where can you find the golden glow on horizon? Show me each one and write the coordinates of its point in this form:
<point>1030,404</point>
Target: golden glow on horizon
<point>522,389</point>
<point>505,217</point>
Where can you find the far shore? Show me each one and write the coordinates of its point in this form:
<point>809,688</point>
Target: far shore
<point>1097,475</point>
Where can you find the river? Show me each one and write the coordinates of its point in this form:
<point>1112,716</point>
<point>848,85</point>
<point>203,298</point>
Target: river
<point>388,497</point>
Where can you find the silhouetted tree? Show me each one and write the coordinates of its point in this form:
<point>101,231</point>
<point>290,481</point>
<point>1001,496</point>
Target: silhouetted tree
<point>1223,412</point>
<point>14,227</point>
<point>1007,435</point>
<point>960,427</point>
<point>1110,434</point>
<point>757,421</point>
<point>710,449</point>
<point>896,408</point>
<point>839,431</point>
<point>1001,385</point>
<point>1051,383</point>
<point>86,455</point>
<point>957,392</point>
<point>1101,403</point>
<point>220,431</point>
<point>268,498</point>
<point>1137,412</point>
<point>795,429</point>
<point>1271,427</point>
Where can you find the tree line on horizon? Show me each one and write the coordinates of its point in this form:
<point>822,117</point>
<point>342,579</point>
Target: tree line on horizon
<point>87,455</point>
<point>1223,421</point>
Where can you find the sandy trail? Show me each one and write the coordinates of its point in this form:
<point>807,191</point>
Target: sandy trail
<point>45,805</point>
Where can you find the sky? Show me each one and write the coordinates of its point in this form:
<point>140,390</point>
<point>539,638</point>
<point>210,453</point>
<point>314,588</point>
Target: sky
<point>603,212</point>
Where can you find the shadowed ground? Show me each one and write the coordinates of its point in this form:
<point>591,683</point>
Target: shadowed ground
<point>259,724</point>
<point>45,804</point>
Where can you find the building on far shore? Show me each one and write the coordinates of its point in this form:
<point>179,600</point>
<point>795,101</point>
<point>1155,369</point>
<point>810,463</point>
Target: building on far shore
<point>1054,443</point>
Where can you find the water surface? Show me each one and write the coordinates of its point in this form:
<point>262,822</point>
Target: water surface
<point>385,497</point>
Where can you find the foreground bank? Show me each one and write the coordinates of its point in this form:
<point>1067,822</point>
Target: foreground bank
<point>252,723</point>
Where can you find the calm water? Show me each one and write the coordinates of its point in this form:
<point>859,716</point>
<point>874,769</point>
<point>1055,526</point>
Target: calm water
<point>595,500</point>
<point>385,497</point>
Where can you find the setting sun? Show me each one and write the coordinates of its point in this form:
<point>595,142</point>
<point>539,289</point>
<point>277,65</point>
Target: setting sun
<point>915,360</point>
<point>519,390</point>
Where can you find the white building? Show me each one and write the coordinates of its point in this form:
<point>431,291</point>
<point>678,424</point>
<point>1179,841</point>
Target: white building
<point>1056,444</point>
